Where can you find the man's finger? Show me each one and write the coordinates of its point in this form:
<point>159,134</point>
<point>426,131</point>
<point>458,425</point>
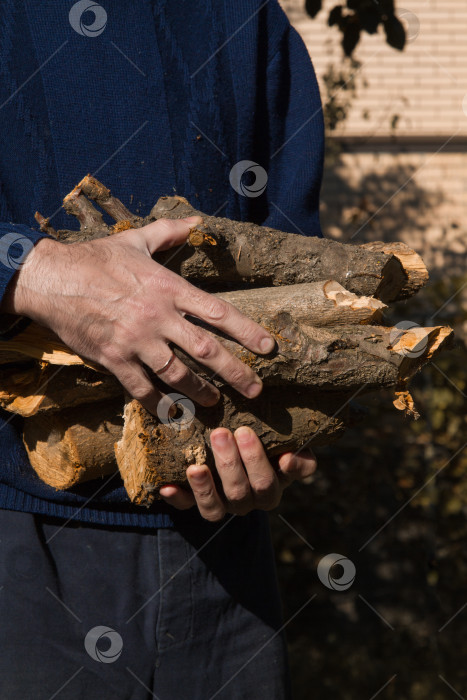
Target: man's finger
<point>206,350</point>
<point>231,471</point>
<point>264,483</point>
<point>135,380</point>
<point>223,315</point>
<point>165,233</point>
<point>297,466</point>
<point>180,377</point>
<point>209,502</point>
<point>177,497</point>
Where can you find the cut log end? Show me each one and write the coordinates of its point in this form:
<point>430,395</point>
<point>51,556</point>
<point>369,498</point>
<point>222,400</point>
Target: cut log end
<point>419,345</point>
<point>43,344</point>
<point>75,445</point>
<point>415,271</point>
<point>344,299</point>
<point>39,387</point>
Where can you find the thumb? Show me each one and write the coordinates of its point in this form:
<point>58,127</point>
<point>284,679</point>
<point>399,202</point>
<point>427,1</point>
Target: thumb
<point>167,233</point>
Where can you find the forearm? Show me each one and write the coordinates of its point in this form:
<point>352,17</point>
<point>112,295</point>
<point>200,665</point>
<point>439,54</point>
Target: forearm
<point>20,248</point>
<point>22,293</point>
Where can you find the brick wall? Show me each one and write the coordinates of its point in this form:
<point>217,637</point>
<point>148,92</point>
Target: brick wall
<point>425,85</point>
<point>409,184</point>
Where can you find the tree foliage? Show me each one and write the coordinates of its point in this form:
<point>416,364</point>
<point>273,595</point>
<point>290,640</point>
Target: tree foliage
<point>357,16</point>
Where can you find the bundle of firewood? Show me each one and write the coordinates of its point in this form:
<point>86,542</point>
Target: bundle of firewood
<point>322,301</point>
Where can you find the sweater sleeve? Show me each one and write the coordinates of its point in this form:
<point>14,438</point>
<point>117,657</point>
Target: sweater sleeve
<point>16,241</point>
<point>296,137</point>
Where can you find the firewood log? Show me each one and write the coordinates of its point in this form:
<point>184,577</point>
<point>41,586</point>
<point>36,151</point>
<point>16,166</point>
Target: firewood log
<point>322,301</point>
<point>309,354</point>
<point>313,409</point>
<point>37,387</point>
<point>74,445</point>
<point>151,454</point>
<point>317,304</point>
<point>224,253</point>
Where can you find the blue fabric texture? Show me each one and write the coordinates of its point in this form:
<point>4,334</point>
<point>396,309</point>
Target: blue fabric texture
<point>195,611</point>
<point>163,98</point>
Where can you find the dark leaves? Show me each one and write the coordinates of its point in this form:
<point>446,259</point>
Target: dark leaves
<point>335,16</point>
<point>370,19</point>
<point>313,7</point>
<point>351,36</point>
<point>395,32</point>
<point>362,15</point>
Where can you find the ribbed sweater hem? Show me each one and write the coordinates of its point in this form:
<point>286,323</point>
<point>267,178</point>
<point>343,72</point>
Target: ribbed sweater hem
<point>13,499</point>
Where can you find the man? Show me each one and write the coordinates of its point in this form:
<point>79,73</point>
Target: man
<point>102,599</point>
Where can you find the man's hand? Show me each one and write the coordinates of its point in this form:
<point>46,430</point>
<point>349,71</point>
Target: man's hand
<point>109,301</point>
<point>248,479</point>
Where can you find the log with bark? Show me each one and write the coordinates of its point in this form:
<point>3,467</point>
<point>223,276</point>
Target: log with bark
<point>151,454</point>
<point>322,301</point>
<point>222,253</point>
<point>75,444</point>
<point>27,389</point>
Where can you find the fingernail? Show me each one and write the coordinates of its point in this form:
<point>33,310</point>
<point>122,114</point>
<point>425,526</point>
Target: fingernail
<point>192,219</point>
<point>220,439</point>
<point>209,398</point>
<point>243,434</point>
<point>198,477</point>
<point>267,345</point>
<point>254,389</point>
<point>216,396</point>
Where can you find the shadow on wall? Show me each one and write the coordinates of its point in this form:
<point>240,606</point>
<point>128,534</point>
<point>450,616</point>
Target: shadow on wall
<point>390,206</point>
<point>391,496</point>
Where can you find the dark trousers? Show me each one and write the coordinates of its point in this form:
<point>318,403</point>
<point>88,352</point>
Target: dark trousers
<point>92,613</point>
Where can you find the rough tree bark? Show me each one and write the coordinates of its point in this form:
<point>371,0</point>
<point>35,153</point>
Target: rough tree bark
<point>323,302</point>
<point>37,387</point>
<point>151,454</point>
<point>223,253</point>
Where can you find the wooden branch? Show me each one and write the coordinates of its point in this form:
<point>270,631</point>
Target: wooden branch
<point>333,358</point>
<point>37,387</point>
<point>318,303</point>
<point>89,217</point>
<point>336,359</point>
<point>44,225</point>
<point>222,252</point>
<point>100,194</point>
<point>152,454</point>
<point>74,445</point>
<point>247,254</point>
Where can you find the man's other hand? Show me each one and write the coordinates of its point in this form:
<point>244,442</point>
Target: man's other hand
<point>248,479</point>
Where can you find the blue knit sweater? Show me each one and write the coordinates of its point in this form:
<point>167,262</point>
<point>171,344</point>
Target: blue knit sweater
<point>154,97</point>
